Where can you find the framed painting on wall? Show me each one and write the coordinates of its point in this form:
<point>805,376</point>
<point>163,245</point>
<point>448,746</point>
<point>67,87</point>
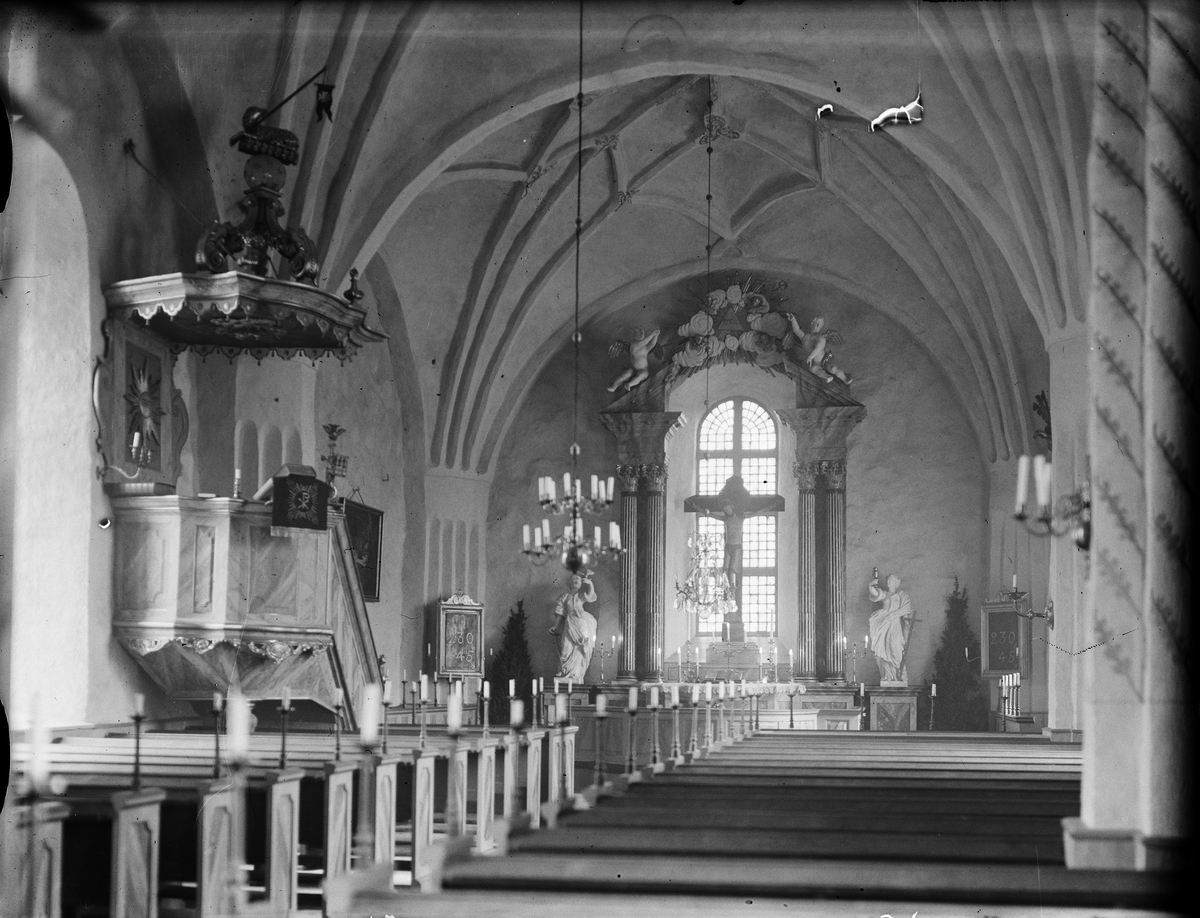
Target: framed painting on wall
<point>460,637</point>
<point>365,527</point>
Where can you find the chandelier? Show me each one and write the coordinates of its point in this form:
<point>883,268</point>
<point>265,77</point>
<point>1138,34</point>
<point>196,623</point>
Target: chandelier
<point>576,548</point>
<point>706,589</point>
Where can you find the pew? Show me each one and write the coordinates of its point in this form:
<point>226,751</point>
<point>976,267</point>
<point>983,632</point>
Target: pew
<point>31,839</point>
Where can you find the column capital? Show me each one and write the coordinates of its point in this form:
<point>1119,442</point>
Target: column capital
<point>805,473</point>
<point>834,473</point>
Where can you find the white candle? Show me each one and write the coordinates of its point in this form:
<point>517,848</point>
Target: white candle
<point>545,531</point>
<point>526,537</point>
<point>725,626</point>
<point>339,697</point>
<point>654,696</point>
<point>1041,480</point>
<point>424,688</point>
<point>570,686</point>
<point>708,690</point>
<point>535,688</point>
<point>866,642</point>
<point>633,699</point>
<point>487,691</point>
<point>552,489</point>
<point>566,484</point>
<point>933,690</point>
<point>541,489</point>
<point>454,713</point>
<point>516,712</point>
<point>556,684</point>
<point>790,666</point>
<point>674,696</point>
<point>614,535</point>
<point>611,488</point>
<point>286,701</point>
<point>601,705</point>
<point>595,488</point>
<point>862,690</point>
<point>541,684</point>
<point>560,708</point>
<point>603,493</point>
<point>219,702</point>
<point>137,439</point>
<point>237,727</point>
<point>139,704</point>
<point>512,688</point>
<point>1022,484</point>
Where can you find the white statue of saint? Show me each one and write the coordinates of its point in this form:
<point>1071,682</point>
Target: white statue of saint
<point>889,628</point>
<point>575,628</point>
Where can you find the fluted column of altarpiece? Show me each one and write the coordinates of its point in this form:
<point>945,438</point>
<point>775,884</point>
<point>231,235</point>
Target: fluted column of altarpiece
<point>806,505</point>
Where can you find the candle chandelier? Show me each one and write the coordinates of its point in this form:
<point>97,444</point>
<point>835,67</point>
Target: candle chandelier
<point>575,548</point>
<point>706,589</point>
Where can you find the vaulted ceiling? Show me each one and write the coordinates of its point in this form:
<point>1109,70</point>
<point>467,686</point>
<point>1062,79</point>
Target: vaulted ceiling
<point>449,174</point>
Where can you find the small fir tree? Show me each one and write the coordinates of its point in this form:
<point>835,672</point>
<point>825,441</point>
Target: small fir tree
<point>511,661</point>
<point>962,700</point>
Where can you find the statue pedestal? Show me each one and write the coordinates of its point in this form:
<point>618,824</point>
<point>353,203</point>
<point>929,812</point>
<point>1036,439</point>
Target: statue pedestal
<point>893,707</point>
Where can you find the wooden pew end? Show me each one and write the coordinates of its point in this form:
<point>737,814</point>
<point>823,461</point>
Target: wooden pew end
<point>355,893</point>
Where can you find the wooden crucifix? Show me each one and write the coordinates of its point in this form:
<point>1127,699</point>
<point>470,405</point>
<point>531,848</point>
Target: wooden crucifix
<point>732,505</point>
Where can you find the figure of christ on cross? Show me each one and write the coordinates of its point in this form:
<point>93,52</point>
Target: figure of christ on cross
<point>733,505</point>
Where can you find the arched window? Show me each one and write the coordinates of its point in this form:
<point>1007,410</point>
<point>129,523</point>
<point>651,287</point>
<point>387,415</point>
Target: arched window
<point>738,437</point>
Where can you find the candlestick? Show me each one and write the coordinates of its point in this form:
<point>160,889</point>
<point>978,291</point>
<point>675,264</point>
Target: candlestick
<point>368,727</point>
<point>217,704</point>
<point>516,712</point>
<point>601,717</point>
<point>237,728</point>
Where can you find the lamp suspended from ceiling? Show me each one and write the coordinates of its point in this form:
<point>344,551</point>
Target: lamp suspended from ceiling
<point>706,589</point>
<point>575,548</point>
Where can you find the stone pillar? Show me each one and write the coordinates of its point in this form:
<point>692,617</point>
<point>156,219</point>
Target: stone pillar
<point>642,467</point>
<point>652,557</point>
<point>806,507</point>
<point>627,608</point>
<point>834,474</point>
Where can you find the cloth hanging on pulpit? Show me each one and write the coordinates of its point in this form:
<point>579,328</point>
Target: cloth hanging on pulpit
<point>299,501</point>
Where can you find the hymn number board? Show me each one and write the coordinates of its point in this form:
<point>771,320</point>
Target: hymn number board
<point>1006,637</point>
<point>460,637</point>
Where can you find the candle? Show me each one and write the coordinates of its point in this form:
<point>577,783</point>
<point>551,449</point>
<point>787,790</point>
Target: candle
<point>560,709</point>
<point>570,686</point>
<point>596,537</point>
<point>512,688</point>
<point>654,696</point>
<point>339,697</point>
<point>219,702</point>
<point>237,727</point>
<point>487,691</point>
<point>429,650</point>
<point>790,666</point>
<point>674,696</point>
<point>541,489</point>
<point>614,535</point>
<point>862,690</point>
<point>516,712</point>
<point>454,713</point>
<point>526,537</point>
<point>725,626</point>
<point>933,690</point>
<point>695,693</point>
<point>633,699</point>
<point>387,690</point>
<point>595,488</point>
<point>1022,484</point>
<point>1014,581</point>
<point>535,688</point>
<point>866,642</point>
<point>286,701</point>
<point>556,684</point>
<point>1041,481</point>
<point>601,705</point>
<point>546,531</point>
<point>137,439</point>
<point>552,488</point>
<point>424,688</point>
<point>566,484</point>
<point>139,704</point>
<point>541,684</point>
<point>611,491</point>
<point>708,690</point>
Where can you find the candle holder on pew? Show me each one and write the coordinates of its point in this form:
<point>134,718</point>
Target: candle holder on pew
<point>486,692</point>
<point>385,703</point>
<point>453,729</point>
<point>217,707</point>
<point>421,736</point>
<point>368,741</point>
<point>337,725</point>
<point>631,759</point>
<point>138,716</point>
<point>654,708</point>
<point>516,726</point>
<point>285,708</point>
<point>708,733</point>
<point>721,731</point>
<point>676,751</point>
<point>692,745</point>
<point>601,735</point>
<point>561,718</point>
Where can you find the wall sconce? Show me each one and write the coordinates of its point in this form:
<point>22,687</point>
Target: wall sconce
<point>140,454</point>
<point>1047,613</point>
<point>1070,514</point>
